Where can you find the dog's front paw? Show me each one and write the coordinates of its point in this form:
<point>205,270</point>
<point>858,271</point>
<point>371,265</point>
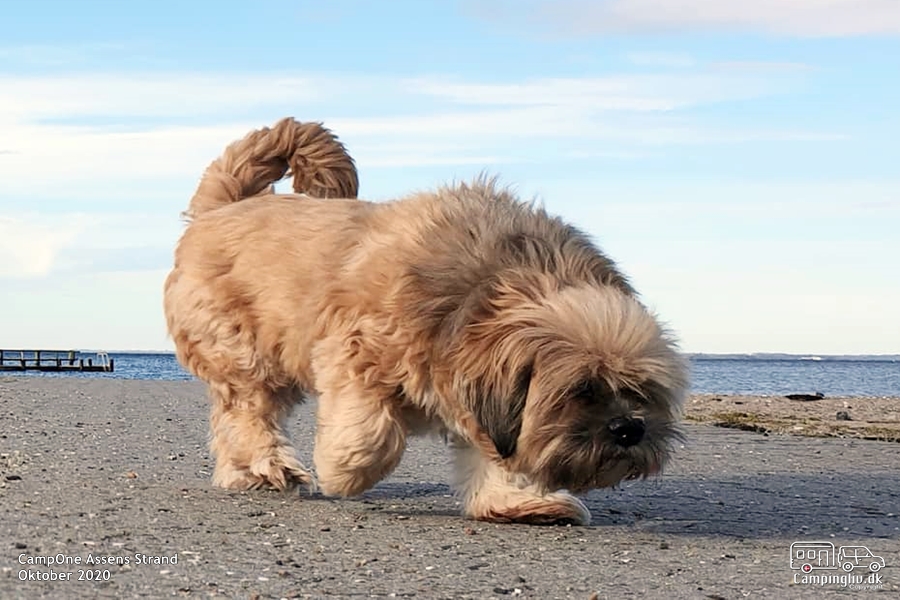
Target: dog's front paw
<point>279,470</point>
<point>282,473</point>
<point>552,509</point>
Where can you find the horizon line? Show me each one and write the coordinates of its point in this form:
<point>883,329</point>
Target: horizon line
<point>895,355</point>
<point>694,353</point>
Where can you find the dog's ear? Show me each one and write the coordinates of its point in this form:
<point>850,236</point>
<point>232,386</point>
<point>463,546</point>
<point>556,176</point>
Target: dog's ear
<point>500,415</point>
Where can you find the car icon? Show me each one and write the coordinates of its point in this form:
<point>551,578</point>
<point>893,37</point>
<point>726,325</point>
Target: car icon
<point>851,557</point>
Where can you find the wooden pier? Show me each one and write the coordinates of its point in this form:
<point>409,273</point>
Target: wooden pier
<point>54,361</point>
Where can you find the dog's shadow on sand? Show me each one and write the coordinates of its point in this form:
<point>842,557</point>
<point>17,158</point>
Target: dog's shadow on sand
<point>866,505</point>
<point>403,499</point>
<point>761,505</point>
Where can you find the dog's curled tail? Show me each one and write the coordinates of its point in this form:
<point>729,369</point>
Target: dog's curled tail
<point>318,162</point>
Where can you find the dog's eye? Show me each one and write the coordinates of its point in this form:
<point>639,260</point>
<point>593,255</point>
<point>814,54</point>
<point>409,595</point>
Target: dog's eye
<point>585,391</point>
<point>644,395</point>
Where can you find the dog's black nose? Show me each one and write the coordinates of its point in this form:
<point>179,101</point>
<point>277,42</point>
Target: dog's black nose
<point>627,432</point>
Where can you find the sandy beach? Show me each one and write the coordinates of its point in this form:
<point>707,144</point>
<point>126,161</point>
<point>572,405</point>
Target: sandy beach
<point>96,473</point>
<point>861,418</point>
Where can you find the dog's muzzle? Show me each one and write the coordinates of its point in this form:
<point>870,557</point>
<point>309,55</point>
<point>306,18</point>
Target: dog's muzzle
<point>627,432</point>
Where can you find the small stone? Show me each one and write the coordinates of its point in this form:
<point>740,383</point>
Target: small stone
<point>842,415</point>
<point>14,478</point>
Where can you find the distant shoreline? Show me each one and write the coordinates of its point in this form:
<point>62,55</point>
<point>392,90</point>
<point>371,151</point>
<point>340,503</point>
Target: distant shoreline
<point>809,357</point>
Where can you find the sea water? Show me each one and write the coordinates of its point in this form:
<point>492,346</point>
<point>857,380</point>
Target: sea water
<point>843,376</point>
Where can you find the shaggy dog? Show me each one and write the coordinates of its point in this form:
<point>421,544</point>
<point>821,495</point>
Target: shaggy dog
<point>462,311</point>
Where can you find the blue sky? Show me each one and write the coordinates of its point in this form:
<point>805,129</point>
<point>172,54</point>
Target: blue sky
<point>738,159</point>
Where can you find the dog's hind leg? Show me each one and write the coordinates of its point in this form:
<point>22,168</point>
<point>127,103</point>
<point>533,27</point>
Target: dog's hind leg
<point>491,493</point>
<point>249,441</point>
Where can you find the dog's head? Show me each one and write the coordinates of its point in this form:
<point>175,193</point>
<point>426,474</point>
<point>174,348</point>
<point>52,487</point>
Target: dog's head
<point>578,386</point>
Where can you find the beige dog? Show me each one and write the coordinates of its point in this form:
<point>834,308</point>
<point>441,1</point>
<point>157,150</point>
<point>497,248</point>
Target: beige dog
<point>461,311</point>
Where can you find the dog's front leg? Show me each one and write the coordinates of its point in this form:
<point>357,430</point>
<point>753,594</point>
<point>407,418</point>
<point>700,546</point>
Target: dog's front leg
<point>359,441</point>
<point>249,440</point>
<point>360,435</point>
<point>491,493</point>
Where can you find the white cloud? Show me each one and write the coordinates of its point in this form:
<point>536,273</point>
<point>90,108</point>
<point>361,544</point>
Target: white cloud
<point>670,60</point>
<point>131,230</point>
<point>149,95</point>
<point>761,66</point>
<point>30,246</point>
<point>376,150</point>
<point>125,186</point>
<point>107,311</point>
<point>379,160</point>
<point>69,133</point>
<point>49,55</point>
<point>814,18</point>
<point>50,156</point>
<point>639,93</point>
<point>600,94</point>
<point>561,121</point>
<point>35,246</point>
<point>802,201</point>
<point>90,164</point>
<point>65,134</point>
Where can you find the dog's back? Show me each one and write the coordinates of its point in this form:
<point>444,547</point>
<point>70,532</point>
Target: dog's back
<point>238,229</point>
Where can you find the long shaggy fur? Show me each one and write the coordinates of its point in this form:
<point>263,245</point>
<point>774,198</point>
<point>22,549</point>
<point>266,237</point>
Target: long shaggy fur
<point>462,311</point>
<point>309,152</point>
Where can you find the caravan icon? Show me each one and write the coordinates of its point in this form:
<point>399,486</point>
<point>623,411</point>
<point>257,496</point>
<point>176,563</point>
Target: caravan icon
<point>808,556</point>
